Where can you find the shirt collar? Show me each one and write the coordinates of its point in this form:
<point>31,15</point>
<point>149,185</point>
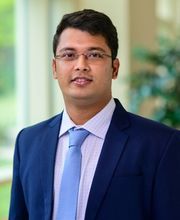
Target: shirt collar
<point>97,125</point>
<point>66,123</point>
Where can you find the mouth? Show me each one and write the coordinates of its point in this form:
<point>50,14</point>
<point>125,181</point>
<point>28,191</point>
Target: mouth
<point>81,81</point>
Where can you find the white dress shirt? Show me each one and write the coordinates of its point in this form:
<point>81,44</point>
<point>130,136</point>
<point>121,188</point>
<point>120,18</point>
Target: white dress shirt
<point>91,149</point>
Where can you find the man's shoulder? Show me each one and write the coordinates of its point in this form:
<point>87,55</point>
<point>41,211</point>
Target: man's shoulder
<point>41,127</point>
<point>147,129</point>
<point>139,123</point>
<point>48,122</point>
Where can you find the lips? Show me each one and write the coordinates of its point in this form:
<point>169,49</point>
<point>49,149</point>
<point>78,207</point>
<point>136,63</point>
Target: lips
<point>81,81</point>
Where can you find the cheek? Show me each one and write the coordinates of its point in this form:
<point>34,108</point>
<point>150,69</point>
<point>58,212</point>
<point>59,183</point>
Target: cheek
<point>103,71</point>
<point>62,74</point>
<point>107,74</point>
<point>63,80</point>
<point>104,79</point>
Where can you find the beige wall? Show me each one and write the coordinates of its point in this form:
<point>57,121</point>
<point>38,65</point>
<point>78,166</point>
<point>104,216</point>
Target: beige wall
<point>142,25</point>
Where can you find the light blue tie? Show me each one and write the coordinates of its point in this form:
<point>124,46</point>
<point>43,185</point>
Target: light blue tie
<point>68,196</point>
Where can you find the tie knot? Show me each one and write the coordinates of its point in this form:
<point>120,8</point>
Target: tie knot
<point>76,137</point>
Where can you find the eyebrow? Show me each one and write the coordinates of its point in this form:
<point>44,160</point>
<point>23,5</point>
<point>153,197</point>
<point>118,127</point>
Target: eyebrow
<point>88,49</point>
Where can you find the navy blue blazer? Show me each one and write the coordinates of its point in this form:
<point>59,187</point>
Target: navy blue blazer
<point>137,176</point>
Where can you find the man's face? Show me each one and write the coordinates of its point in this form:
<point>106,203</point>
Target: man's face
<point>84,78</point>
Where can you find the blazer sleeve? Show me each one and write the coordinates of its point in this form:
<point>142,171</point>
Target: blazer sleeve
<point>18,208</point>
<point>166,196</point>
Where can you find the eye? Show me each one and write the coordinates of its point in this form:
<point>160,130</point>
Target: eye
<point>68,55</point>
<point>94,55</point>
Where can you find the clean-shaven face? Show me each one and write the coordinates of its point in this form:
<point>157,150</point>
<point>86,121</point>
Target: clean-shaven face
<point>83,67</point>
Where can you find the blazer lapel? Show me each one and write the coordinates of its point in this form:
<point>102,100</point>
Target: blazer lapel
<point>47,161</point>
<point>113,146</point>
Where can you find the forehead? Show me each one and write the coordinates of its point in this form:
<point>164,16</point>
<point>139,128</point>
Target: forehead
<point>78,39</point>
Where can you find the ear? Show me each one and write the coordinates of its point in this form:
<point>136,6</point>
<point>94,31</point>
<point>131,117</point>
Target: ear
<point>115,66</point>
<point>54,68</point>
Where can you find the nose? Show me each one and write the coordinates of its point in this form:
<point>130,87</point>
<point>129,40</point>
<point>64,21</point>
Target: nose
<point>82,64</point>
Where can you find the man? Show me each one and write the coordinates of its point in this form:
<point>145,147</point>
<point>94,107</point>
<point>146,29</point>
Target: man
<point>130,166</point>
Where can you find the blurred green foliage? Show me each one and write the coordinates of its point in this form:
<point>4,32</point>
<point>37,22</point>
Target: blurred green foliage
<point>7,42</point>
<point>5,200</point>
<point>7,67</point>
<point>7,117</point>
<point>161,81</point>
<point>7,23</point>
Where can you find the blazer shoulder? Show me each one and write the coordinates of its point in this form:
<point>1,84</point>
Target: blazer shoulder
<point>139,124</point>
<point>151,128</point>
<point>41,127</point>
<point>48,122</point>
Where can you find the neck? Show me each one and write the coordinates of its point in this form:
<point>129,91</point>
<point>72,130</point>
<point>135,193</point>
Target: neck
<point>80,114</point>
